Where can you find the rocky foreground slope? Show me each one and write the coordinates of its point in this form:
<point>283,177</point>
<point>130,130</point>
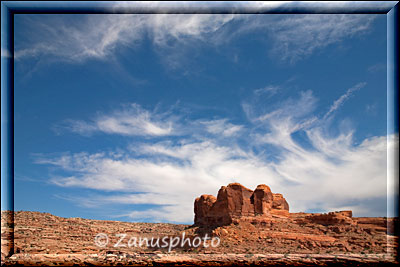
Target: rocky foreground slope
<point>251,227</point>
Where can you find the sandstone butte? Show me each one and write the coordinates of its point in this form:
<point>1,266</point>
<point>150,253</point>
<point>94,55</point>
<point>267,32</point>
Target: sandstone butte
<point>236,203</point>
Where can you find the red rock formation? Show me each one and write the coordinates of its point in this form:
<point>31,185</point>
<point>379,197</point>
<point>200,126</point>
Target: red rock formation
<point>202,207</point>
<point>262,199</point>
<point>331,218</point>
<point>279,205</point>
<point>347,213</point>
<point>235,202</point>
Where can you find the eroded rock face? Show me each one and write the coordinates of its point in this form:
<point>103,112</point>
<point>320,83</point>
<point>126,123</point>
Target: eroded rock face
<point>202,206</point>
<point>279,205</point>
<point>332,218</point>
<point>338,218</point>
<point>262,199</point>
<point>236,202</point>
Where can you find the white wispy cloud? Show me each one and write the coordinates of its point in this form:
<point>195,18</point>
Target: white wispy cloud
<point>297,37</point>
<point>222,127</point>
<point>134,120</point>
<point>343,98</point>
<point>377,68</point>
<point>131,120</point>
<point>98,36</point>
<point>270,89</point>
<point>322,172</point>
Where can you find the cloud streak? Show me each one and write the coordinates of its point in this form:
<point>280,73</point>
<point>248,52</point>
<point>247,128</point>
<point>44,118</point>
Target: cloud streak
<point>343,98</point>
<point>270,90</point>
<point>293,37</point>
<point>131,120</point>
<point>297,37</point>
<point>98,36</point>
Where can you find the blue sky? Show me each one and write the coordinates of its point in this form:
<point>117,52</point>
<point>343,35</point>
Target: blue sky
<point>131,117</point>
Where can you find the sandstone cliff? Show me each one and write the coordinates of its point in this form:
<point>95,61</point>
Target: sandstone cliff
<point>236,202</point>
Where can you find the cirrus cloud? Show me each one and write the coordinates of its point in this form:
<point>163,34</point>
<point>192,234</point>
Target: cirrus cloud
<point>97,36</point>
<point>320,172</point>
